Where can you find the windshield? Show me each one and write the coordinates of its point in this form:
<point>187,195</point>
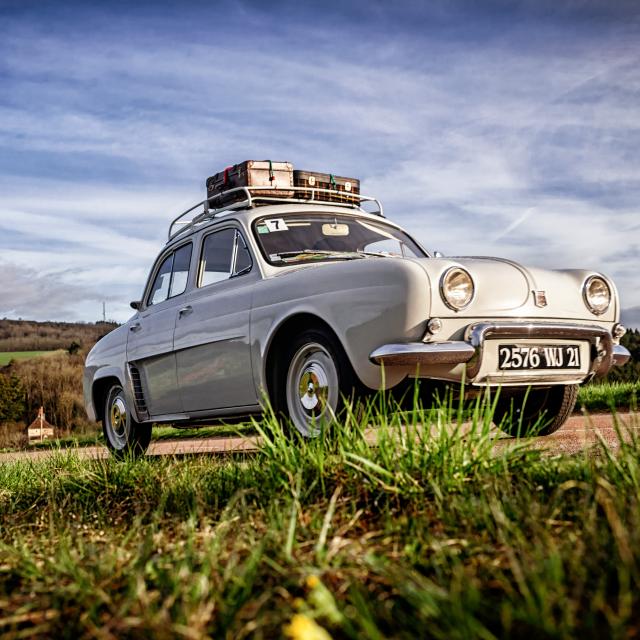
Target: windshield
<point>306,238</point>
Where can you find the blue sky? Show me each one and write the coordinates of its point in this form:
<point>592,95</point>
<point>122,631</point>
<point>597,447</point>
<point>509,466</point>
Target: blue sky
<point>490,128</point>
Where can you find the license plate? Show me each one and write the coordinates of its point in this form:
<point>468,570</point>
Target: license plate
<point>538,356</point>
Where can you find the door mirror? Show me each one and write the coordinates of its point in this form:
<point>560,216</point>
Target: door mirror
<point>136,304</point>
<point>438,254</point>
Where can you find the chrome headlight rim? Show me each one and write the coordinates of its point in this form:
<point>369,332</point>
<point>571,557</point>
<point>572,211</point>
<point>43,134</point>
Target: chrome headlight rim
<point>585,294</point>
<point>443,288</point>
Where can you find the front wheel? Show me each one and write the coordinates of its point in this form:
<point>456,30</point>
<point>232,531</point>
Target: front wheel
<point>313,378</point>
<point>535,412</point>
<point>123,434</point>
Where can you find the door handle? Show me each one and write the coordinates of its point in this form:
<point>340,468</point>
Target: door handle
<point>136,326</point>
<point>185,311</point>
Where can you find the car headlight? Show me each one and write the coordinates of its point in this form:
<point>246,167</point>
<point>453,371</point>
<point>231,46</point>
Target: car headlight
<point>597,294</point>
<point>456,288</point>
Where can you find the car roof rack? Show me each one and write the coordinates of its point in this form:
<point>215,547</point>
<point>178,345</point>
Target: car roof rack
<point>309,195</point>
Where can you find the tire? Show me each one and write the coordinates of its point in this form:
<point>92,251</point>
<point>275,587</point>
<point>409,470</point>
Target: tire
<point>518,412</point>
<point>124,436</point>
<point>312,377</point>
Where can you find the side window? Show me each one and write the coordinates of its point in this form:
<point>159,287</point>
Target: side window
<point>171,279</point>
<point>217,252</point>
<point>160,289</point>
<point>243,257</point>
<point>181,262</point>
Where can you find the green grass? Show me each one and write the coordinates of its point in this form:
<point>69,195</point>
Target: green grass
<point>593,398</point>
<point>7,356</point>
<point>433,533</point>
<point>620,396</point>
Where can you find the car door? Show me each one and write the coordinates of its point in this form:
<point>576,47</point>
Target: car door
<point>212,337</point>
<point>150,340</point>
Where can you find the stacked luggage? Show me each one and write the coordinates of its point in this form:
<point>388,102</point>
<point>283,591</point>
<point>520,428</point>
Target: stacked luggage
<point>280,177</point>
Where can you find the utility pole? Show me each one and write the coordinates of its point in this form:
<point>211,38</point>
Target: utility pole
<point>104,311</point>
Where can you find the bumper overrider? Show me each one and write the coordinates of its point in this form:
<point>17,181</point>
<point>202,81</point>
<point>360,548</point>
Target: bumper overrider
<point>604,353</point>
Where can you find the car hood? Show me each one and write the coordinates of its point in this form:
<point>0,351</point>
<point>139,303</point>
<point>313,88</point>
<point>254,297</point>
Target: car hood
<point>505,287</point>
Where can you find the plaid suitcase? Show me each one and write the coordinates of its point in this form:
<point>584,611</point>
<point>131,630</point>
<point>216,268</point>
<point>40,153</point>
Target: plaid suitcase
<point>251,173</point>
<point>342,187</point>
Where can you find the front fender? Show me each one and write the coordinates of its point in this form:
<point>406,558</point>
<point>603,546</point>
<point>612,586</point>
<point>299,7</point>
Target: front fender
<point>366,303</point>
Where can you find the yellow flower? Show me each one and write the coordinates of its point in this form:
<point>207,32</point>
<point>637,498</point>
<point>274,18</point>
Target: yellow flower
<point>313,582</point>
<point>302,627</point>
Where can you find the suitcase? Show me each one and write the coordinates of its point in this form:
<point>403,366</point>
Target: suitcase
<point>343,188</point>
<point>251,173</point>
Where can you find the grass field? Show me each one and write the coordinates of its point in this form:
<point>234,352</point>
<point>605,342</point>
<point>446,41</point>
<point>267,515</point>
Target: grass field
<point>7,356</point>
<point>619,396</point>
<point>430,534</point>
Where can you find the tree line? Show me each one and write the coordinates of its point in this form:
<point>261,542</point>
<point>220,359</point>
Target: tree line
<point>55,382</point>
<point>28,335</point>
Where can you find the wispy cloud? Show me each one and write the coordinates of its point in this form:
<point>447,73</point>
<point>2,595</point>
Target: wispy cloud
<point>484,130</point>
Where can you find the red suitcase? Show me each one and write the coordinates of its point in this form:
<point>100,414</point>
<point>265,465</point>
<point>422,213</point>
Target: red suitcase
<point>251,173</point>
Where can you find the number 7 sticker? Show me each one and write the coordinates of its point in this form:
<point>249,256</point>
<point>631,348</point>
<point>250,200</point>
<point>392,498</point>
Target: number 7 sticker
<point>277,224</point>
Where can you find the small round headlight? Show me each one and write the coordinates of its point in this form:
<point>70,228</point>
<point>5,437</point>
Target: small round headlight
<point>456,288</point>
<point>597,294</point>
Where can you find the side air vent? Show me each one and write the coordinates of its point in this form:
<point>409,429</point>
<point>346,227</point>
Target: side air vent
<point>138,394</point>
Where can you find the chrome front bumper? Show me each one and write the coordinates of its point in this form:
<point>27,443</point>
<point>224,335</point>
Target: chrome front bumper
<point>604,353</point>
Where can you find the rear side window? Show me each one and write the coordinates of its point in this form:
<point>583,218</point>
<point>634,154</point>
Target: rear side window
<point>171,279</point>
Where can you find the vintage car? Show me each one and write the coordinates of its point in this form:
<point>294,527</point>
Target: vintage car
<point>300,301</point>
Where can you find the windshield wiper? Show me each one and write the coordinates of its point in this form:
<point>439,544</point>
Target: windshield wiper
<point>374,254</point>
<point>351,255</point>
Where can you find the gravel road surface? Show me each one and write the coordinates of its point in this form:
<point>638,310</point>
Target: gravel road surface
<point>578,433</point>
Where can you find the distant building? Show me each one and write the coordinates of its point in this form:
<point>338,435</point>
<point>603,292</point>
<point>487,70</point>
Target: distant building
<point>40,429</point>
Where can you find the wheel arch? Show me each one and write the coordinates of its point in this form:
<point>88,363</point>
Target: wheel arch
<point>283,333</point>
<point>99,391</point>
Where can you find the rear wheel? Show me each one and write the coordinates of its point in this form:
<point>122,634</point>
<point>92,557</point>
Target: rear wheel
<point>123,434</point>
<point>312,377</point>
<point>536,412</point>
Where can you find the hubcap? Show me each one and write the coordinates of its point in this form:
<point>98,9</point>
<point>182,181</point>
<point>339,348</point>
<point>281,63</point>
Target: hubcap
<point>117,419</point>
<point>118,416</point>
<point>312,388</point>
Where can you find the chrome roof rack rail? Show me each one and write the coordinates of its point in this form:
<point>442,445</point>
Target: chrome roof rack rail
<point>309,194</point>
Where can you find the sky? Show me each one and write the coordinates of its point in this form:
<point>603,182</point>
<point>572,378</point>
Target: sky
<point>486,128</point>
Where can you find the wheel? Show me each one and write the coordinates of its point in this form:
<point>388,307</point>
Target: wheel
<point>517,412</point>
<point>312,377</point>
<point>123,434</point>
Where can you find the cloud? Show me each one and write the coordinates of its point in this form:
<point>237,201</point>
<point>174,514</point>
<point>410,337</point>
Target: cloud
<point>29,294</point>
<point>485,130</point>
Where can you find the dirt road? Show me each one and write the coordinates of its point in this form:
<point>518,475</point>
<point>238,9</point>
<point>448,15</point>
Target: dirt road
<point>579,432</point>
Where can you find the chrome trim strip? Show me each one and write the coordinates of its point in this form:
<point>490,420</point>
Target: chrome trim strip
<point>422,353</point>
<point>541,379</point>
<point>599,338</point>
<point>604,353</point>
<point>621,355</point>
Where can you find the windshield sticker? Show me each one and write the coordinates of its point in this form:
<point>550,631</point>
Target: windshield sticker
<point>262,228</point>
<point>276,224</point>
